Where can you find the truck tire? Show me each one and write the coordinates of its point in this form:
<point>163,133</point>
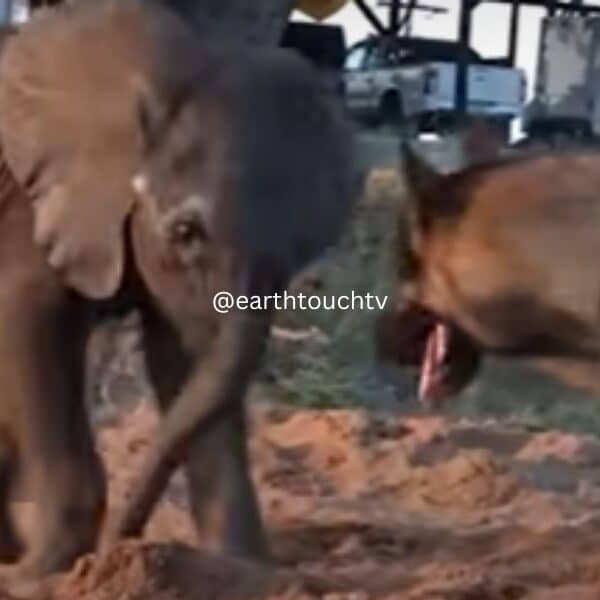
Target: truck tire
<point>390,111</point>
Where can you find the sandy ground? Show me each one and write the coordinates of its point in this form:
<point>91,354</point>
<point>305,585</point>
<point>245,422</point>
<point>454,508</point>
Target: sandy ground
<point>362,506</point>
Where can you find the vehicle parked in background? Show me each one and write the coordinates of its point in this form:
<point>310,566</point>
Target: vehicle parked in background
<point>414,79</point>
<point>566,102</point>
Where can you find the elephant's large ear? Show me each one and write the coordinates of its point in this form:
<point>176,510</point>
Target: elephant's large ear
<point>84,241</point>
<point>68,131</point>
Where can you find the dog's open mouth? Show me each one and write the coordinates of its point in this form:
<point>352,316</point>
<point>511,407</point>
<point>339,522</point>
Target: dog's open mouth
<point>445,357</point>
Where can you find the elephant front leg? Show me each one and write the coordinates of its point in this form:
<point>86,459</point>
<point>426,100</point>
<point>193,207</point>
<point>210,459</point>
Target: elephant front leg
<point>222,496</point>
<point>222,454</point>
<point>61,472</point>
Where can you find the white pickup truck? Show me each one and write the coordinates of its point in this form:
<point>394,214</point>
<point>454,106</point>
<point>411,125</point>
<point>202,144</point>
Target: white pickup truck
<point>414,80</point>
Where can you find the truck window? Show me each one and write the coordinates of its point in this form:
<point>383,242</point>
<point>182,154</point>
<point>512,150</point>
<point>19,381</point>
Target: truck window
<point>385,57</point>
<point>375,59</point>
<point>355,59</point>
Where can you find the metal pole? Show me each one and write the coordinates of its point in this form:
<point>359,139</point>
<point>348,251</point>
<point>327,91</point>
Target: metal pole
<point>514,30</point>
<point>464,37</point>
<point>371,16</point>
<point>394,22</point>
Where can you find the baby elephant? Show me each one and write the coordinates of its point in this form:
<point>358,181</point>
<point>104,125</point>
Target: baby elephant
<point>145,168</point>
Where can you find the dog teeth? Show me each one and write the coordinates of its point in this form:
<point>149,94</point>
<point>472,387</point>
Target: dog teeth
<point>432,372</point>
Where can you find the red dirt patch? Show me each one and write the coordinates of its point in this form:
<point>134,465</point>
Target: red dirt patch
<point>362,507</point>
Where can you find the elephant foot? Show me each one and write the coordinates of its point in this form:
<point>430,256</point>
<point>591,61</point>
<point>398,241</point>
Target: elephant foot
<point>261,557</point>
<point>23,582</point>
<point>253,548</point>
<point>113,532</point>
<point>30,577</point>
<point>108,540</point>
<point>244,535</point>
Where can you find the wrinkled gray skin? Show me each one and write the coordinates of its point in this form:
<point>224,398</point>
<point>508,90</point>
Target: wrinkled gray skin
<point>241,174</point>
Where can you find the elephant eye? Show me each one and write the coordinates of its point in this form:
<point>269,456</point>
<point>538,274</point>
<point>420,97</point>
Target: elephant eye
<point>188,231</point>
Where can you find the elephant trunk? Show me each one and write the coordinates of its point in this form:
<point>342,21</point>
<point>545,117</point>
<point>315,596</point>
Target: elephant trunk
<point>215,385</point>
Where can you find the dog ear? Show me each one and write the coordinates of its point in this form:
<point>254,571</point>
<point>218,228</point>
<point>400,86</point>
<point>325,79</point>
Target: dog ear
<point>422,182</point>
<point>418,175</point>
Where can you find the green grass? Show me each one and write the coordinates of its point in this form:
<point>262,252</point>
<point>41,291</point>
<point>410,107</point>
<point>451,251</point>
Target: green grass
<point>342,369</point>
<point>515,391</point>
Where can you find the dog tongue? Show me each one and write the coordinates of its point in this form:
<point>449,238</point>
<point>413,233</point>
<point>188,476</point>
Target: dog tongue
<point>431,378</point>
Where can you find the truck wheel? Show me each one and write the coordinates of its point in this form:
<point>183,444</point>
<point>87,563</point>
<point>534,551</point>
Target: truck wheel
<point>390,109</point>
